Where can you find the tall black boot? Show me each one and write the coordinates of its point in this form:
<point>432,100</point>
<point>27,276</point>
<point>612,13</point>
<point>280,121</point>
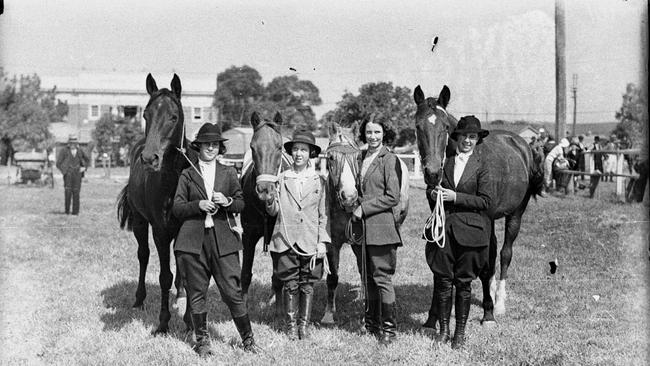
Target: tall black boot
<point>371,318</point>
<point>243,325</point>
<point>304,313</point>
<point>444,302</point>
<point>290,300</point>
<point>202,346</point>
<point>388,324</point>
<point>463,302</point>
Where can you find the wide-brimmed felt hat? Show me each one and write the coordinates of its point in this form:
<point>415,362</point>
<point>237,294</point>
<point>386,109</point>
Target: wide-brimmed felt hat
<point>208,133</point>
<point>73,139</point>
<point>469,124</point>
<point>306,137</point>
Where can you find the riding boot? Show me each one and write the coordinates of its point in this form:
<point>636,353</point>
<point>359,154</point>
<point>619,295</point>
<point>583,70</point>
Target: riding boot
<point>388,324</point>
<point>290,300</point>
<point>304,313</point>
<point>202,346</point>
<point>243,325</point>
<point>444,286</point>
<point>371,318</point>
<point>463,301</point>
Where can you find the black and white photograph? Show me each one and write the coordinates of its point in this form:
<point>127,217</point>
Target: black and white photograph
<point>428,182</point>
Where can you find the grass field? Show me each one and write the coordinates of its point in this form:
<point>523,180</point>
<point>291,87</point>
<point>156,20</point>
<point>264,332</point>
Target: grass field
<point>68,283</point>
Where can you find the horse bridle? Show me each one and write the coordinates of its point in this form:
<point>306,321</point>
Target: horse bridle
<point>346,144</point>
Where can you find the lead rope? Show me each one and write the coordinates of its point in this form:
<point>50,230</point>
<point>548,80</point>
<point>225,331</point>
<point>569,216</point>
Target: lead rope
<point>434,229</point>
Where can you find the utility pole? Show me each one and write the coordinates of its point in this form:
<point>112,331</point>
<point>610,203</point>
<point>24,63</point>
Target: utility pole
<point>560,71</point>
<point>574,91</point>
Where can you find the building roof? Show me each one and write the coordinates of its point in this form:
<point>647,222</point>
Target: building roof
<point>125,82</point>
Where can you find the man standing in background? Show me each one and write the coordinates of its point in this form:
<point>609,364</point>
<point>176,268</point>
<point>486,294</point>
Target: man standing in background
<point>72,162</point>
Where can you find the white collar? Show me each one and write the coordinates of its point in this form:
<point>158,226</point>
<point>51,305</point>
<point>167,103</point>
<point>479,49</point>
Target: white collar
<point>464,156</point>
<point>207,163</point>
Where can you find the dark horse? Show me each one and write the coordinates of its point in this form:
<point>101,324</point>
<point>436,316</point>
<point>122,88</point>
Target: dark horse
<point>148,196</point>
<point>343,157</point>
<point>517,177</point>
<point>259,183</point>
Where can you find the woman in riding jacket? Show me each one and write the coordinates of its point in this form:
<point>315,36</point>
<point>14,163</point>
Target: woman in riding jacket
<point>301,232</point>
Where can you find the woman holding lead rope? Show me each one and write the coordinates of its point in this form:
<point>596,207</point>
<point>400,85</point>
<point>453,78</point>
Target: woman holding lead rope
<point>301,233</point>
<point>467,192</point>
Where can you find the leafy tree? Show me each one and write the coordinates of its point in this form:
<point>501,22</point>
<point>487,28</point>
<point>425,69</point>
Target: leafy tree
<point>129,132</point>
<point>632,115</point>
<point>392,104</point>
<point>103,133</point>
<point>294,99</point>
<point>26,112</point>
<point>238,89</point>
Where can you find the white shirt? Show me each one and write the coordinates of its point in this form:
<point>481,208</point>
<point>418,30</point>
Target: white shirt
<point>556,152</point>
<point>300,177</point>
<point>207,173</point>
<point>460,161</point>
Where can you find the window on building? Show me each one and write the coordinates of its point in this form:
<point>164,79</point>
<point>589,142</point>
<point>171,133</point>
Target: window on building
<point>130,111</point>
<point>196,113</point>
<point>94,111</point>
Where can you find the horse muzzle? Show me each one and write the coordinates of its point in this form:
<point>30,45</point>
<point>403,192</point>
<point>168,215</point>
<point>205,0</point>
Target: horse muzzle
<point>151,161</point>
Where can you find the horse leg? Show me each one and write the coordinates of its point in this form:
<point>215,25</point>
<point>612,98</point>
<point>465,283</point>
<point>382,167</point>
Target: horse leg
<point>333,257</point>
<point>513,223</point>
<point>165,278</point>
<point>141,233</point>
<point>487,280</point>
<point>248,255</point>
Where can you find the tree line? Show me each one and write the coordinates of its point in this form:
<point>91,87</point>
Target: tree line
<point>26,110</point>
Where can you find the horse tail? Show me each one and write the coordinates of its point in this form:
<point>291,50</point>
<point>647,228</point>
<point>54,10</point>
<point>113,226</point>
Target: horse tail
<point>536,181</point>
<point>124,215</point>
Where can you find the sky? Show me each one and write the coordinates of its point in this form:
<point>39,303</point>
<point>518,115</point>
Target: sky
<point>497,57</point>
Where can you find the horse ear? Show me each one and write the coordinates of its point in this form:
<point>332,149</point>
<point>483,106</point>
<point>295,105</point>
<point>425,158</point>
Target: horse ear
<point>277,118</point>
<point>151,85</point>
<point>333,129</point>
<point>255,119</point>
<point>176,86</point>
<point>418,95</point>
<point>444,96</point>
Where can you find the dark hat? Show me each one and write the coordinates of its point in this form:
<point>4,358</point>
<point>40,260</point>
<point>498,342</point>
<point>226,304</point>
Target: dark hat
<point>469,124</point>
<point>73,139</point>
<point>207,133</point>
<point>305,137</point>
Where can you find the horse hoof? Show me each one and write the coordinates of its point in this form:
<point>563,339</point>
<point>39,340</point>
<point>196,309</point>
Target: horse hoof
<point>138,305</point>
<point>328,318</point>
<point>488,323</point>
<point>430,323</point>
<point>160,331</point>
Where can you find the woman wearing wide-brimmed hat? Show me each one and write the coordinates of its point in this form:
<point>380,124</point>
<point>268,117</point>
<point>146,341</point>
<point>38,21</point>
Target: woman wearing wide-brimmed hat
<point>207,196</point>
<point>301,233</point>
<point>468,191</point>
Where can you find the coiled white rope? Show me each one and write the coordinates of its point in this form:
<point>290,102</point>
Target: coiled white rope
<point>434,229</point>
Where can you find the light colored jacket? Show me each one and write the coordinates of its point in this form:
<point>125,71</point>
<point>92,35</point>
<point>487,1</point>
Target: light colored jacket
<point>302,220</point>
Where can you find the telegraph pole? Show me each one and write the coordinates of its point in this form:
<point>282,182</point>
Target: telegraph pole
<point>574,91</point>
<point>560,71</point>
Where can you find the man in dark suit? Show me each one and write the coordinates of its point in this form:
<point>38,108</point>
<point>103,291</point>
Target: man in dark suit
<point>72,162</point>
<point>467,190</point>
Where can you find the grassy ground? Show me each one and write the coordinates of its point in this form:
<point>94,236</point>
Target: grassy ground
<point>68,283</point>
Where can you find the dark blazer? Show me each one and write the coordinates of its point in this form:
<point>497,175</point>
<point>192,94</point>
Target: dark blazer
<point>467,218</point>
<point>379,192</point>
<point>66,163</point>
<point>189,192</point>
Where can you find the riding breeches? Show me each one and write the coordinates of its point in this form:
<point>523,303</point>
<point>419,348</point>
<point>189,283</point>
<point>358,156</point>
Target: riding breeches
<point>196,270</point>
<point>380,263</point>
<point>294,270</point>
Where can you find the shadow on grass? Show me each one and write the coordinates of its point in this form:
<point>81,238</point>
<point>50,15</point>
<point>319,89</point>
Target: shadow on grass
<point>412,306</point>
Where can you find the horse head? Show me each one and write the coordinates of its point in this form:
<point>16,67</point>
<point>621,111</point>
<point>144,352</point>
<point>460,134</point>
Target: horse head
<point>266,148</point>
<point>164,127</point>
<point>342,165</point>
<point>433,125</point>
